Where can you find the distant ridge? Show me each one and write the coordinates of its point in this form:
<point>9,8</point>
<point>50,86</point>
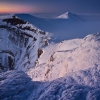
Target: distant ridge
<point>69,15</point>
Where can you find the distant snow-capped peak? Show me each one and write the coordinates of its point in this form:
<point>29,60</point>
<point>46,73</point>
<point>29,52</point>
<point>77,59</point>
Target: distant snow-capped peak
<point>65,15</point>
<point>70,16</point>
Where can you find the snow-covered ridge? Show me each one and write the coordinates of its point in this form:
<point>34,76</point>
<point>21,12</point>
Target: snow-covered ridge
<point>18,41</point>
<point>68,56</point>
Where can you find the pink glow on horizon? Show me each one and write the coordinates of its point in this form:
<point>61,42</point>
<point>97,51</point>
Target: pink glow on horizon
<point>11,8</point>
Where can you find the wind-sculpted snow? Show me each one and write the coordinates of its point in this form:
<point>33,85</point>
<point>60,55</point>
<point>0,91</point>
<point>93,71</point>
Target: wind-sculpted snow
<point>80,85</point>
<point>15,85</point>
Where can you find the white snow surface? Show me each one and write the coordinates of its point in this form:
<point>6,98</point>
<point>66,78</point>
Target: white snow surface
<point>72,74</point>
<point>67,56</point>
<point>80,85</point>
<point>69,70</point>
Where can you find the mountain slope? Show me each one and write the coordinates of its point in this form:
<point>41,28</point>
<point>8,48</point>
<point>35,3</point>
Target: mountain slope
<point>18,41</point>
<point>69,70</point>
<point>79,81</point>
<point>73,66</point>
<point>68,56</point>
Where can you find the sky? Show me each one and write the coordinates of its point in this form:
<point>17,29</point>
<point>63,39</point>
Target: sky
<point>50,6</point>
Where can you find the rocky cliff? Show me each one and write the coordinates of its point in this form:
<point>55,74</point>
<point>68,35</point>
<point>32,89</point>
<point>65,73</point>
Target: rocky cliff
<point>20,44</point>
